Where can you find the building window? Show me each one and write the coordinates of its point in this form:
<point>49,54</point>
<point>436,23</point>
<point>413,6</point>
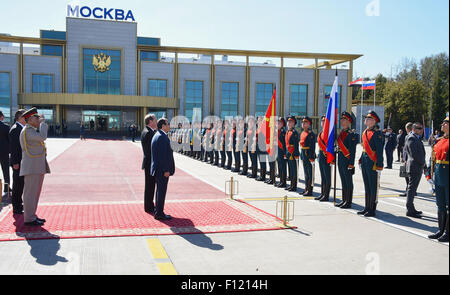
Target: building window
<point>149,56</point>
<point>193,99</point>
<point>159,113</point>
<point>230,99</point>
<point>157,87</point>
<point>299,100</point>
<point>264,92</point>
<point>42,83</point>
<point>101,71</point>
<point>5,95</point>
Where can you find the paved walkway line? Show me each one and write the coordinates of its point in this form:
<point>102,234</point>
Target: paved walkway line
<point>164,265</point>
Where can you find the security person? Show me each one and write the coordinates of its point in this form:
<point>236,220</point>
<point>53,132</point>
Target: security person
<point>325,168</point>
<point>438,169</point>
<point>389,146</point>
<point>371,162</point>
<point>292,152</point>
<point>281,153</point>
<point>34,164</point>
<point>251,146</point>
<point>347,142</point>
<point>15,159</point>
<point>308,154</point>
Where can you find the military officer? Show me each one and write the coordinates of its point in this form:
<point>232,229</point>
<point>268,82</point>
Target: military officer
<point>239,149</point>
<point>308,154</point>
<point>281,153</point>
<point>34,164</point>
<point>251,147</point>
<point>217,143</point>
<point>229,144</point>
<point>347,142</point>
<point>236,153</point>
<point>371,162</point>
<point>292,152</point>
<point>223,155</point>
<point>325,168</point>
<point>438,169</point>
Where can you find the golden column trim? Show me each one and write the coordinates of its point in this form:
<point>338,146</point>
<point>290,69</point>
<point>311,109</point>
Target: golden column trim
<point>316,88</point>
<point>211,87</point>
<point>175,83</point>
<point>282,89</point>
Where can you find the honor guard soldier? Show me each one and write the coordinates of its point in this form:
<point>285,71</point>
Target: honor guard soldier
<point>292,152</point>
<point>229,144</point>
<point>438,169</point>
<point>34,164</point>
<point>347,142</point>
<point>251,146</point>
<point>213,140</point>
<point>223,155</point>
<point>371,162</point>
<point>261,151</point>
<point>308,154</point>
<point>217,142</point>
<point>243,146</point>
<point>240,139</point>
<point>207,143</point>
<point>236,152</point>
<point>281,153</point>
<point>325,168</point>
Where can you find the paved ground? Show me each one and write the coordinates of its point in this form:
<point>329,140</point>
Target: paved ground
<point>327,240</point>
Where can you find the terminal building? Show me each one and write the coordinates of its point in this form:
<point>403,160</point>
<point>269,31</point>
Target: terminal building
<point>99,73</point>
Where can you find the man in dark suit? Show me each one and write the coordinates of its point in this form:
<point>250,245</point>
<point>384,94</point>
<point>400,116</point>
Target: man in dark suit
<point>400,144</point>
<point>16,158</point>
<point>4,152</point>
<point>146,142</point>
<point>389,146</point>
<point>163,166</point>
<point>414,167</point>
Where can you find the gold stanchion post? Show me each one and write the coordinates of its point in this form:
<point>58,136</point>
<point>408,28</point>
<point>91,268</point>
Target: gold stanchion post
<point>285,211</point>
<point>231,188</point>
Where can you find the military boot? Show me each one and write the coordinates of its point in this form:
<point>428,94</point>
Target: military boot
<point>344,198</point>
<point>272,177</point>
<point>441,224</point>
<point>321,194</point>
<point>444,237</point>
<point>348,199</point>
<point>326,196</point>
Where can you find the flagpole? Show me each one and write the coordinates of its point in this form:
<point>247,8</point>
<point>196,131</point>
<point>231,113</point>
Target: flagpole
<point>361,120</point>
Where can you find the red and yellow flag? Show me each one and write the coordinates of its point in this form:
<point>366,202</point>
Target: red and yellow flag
<point>268,125</point>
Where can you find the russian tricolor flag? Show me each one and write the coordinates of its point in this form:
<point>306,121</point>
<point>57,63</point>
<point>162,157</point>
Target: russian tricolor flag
<point>368,85</point>
<point>358,82</point>
<point>329,128</point>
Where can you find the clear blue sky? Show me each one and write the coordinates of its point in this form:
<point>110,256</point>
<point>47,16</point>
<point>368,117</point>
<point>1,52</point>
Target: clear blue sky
<point>404,28</point>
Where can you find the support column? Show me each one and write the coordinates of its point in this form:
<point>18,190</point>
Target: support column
<point>349,92</point>
<point>282,89</point>
<point>316,88</point>
<point>247,87</point>
<point>175,83</point>
<point>211,87</point>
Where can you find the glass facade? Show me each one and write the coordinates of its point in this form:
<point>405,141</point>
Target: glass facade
<point>159,113</point>
<point>327,98</point>
<point>157,87</point>
<point>105,78</point>
<point>98,120</point>
<point>5,95</point>
<point>42,83</point>
<point>229,99</point>
<point>149,56</point>
<point>264,92</point>
<point>299,100</point>
<point>193,98</point>
<point>54,50</point>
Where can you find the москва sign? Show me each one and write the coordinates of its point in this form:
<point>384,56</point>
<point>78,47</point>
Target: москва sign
<point>99,13</point>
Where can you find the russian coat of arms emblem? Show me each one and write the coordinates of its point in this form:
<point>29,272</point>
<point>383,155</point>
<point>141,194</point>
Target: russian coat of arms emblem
<point>101,62</point>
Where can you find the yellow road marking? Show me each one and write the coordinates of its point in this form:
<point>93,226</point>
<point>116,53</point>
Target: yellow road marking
<point>157,249</point>
<point>158,252</point>
<point>166,268</point>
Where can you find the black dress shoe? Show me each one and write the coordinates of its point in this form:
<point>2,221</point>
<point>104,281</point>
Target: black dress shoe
<point>346,206</point>
<point>369,214</point>
<point>151,212</point>
<point>318,197</point>
<point>362,212</point>
<point>324,199</point>
<point>34,223</point>
<point>413,215</point>
<point>41,220</point>
<point>163,217</point>
<point>340,204</point>
<point>402,195</point>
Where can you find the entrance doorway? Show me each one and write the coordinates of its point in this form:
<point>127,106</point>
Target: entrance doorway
<point>101,120</point>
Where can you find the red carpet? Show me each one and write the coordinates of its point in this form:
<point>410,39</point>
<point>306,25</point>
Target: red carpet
<point>96,190</point>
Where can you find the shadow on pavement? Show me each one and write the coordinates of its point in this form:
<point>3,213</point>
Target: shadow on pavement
<point>45,251</point>
<point>195,237</point>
